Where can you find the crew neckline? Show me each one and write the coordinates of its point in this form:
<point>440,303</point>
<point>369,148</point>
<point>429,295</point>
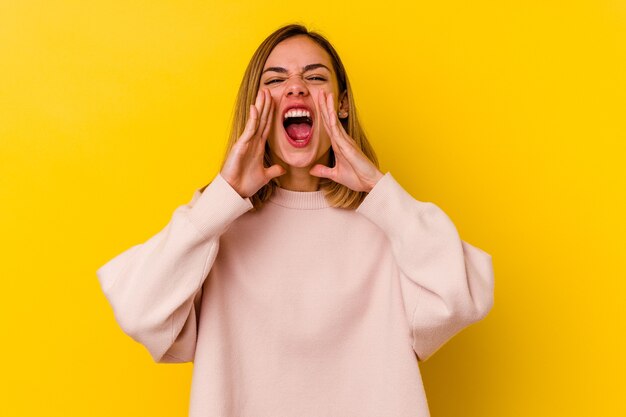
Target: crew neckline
<point>304,200</point>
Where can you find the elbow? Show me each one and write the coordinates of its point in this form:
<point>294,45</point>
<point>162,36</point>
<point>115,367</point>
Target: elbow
<point>472,305</point>
<point>478,297</point>
<point>131,324</point>
<point>482,307</point>
<point>470,310</point>
<point>154,337</point>
<point>141,326</point>
<point>131,327</point>
<point>478,304</point>
<point>148,326</point>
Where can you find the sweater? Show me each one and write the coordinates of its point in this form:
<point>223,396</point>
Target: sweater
<point>301,309</point>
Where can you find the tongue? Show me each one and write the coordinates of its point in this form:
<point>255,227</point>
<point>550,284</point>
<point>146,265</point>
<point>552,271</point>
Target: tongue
<point>298,131</point>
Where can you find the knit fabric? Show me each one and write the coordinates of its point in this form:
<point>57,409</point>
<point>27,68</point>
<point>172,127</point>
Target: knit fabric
<point>301,309</point>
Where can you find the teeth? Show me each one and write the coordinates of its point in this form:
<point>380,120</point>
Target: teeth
<point>297,113</point>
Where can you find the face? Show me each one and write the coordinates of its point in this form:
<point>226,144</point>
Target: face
<point>295,72</point>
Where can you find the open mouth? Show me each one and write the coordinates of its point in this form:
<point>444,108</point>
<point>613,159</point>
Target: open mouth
<point>298,125</point>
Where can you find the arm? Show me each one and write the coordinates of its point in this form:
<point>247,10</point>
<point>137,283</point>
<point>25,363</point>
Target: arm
<point>447,283</point>
<point>155,287</point>
<point>450,282</point>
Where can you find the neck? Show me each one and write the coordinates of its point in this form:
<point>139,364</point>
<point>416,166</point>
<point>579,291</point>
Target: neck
<point>298,179</point>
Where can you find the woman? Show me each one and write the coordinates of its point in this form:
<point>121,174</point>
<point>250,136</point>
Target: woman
<point>301,281</point>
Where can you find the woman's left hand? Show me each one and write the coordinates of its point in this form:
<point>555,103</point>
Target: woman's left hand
<point>352,168</point>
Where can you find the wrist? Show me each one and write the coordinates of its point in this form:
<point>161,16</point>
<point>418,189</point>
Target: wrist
<point>377,178</point>
<point>233,184</point>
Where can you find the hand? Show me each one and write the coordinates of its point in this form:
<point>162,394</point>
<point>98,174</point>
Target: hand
<point>243,168</point>
<point>352,168</point>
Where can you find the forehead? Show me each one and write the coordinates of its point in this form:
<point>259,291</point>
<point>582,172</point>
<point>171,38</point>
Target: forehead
<point>296,52</point>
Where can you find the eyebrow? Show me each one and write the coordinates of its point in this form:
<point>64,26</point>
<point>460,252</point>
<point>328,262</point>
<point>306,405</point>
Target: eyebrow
<point>309,67</point>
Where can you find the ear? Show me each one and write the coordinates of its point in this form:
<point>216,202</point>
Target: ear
<point>344,105</point>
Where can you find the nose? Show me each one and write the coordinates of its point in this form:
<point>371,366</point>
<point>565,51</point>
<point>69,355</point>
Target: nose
<point>296,87</point>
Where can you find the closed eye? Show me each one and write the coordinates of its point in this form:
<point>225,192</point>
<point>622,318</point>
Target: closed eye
<point>311,78</point>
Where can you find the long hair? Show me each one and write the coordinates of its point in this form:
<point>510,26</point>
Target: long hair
<point>337,195</point>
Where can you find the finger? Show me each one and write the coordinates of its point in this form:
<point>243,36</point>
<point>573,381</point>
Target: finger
<point>333,134</point>
<point>331,114</point>
<point>333,141</point>
<point>260,95</point>
<point>338,132</point>
<point>251,124</point>
<point>330,106</point>
<point>333,130</point>
<point>323,109</point>
<point>259,146</point>
<point>258,106</point>
<point>274,171</point>
<point>344,133</point>
<point>267,104</point>
<point>323,171</point>
<point>268,124</point>
<point>324,112</point>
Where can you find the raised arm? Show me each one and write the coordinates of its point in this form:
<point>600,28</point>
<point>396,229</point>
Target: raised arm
<point>449,283</point>
<point>155,287</point>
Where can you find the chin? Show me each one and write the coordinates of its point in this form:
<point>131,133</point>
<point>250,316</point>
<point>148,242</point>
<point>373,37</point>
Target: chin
<point>298,159</point>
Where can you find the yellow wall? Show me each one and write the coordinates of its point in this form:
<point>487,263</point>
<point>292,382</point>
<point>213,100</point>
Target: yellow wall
<point>511,117</point>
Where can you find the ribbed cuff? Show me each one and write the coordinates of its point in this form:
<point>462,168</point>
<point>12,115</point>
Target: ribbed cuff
<point>388,203</point>
<point>217,207</point>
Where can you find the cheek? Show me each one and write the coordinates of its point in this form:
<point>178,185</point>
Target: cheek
<point>327,89</point>
<point>276,93</point>
<point>276,99</point>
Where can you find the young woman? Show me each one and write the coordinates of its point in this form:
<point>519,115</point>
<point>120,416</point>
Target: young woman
<point>301,281</point>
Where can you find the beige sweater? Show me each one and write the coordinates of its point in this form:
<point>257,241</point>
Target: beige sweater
<point>300,309</point>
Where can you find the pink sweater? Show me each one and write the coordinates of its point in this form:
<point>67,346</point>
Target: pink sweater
<point>300,309</point>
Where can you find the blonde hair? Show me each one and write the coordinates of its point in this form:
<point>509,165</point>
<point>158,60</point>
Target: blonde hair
<point>336,194</point>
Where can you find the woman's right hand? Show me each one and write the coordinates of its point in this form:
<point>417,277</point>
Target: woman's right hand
<point>244,169</point>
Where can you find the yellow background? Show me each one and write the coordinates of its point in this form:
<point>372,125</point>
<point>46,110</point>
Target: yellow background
<point>509,115</point>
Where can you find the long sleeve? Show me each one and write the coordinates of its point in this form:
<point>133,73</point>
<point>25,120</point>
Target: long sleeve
<point>449,283</point>
<point>155,287</point>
